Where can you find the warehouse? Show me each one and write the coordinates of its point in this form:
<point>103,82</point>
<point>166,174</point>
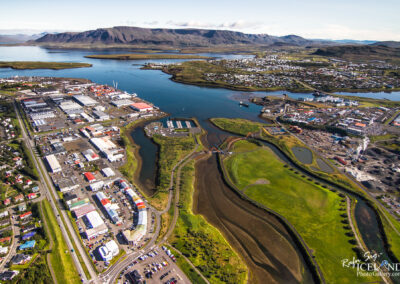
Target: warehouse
<point>108,172</point>
<point>82,211</point>
<point>99,115</point>
<point>67,184</point>
<point>90,155</point>
<point>109,250</point>
<point>96,185</point>
<point>93,219</point>
<point>84,100</point>
<point>53,163</point>
<point>121,103</point>
<point>89,177</point>
<point>142,107</point>
<point>70,107</point>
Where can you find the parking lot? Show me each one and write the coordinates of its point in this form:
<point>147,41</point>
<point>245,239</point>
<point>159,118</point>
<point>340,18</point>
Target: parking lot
<point>155,267</point>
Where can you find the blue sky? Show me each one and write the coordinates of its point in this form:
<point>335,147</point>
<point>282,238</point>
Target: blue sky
<point>334,19</point>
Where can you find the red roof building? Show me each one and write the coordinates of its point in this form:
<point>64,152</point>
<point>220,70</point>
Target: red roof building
<point>141,107</point>
<point>32,195</point>
<point>89,176</point>
<point>25,215</point>
<point>19,197</point>
<point>7,201</point>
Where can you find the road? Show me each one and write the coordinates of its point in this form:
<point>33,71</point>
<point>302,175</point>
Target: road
<point>50,191</point>
<point>111,275</point>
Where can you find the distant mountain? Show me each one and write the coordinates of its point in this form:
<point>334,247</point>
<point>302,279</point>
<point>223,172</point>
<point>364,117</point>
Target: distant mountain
<point>19,38</point>
<point>354,41</point>
<point>170,37</point>
<point>359,52</point>
<point>393,44</point>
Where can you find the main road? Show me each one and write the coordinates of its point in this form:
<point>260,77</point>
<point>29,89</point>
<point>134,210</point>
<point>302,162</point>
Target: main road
<point>62,220</point>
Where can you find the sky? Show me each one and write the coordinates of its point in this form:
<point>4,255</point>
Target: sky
<point>322,19</point>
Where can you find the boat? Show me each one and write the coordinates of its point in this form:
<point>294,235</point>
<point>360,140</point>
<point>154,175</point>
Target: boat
<point>243,104</point>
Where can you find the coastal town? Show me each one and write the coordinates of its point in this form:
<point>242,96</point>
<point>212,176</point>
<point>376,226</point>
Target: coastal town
<point>74,129</point>
<point>292,71</point>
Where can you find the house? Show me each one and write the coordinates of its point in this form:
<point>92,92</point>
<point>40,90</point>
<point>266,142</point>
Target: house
<point>19,198</point>
<point>22,207</point>
<point>5,240</point>
<point>3,214</point>
<point>3,250</point>
<point>28,228</point>
<point>25,215</point>
<point>32,196</point>
<point>5,222</point>
<point>35,189</point>
<point>27,245</point>
<point>20,258</point>
<point>28,182</point>
<point>7,201</point>
<point>8,275</point>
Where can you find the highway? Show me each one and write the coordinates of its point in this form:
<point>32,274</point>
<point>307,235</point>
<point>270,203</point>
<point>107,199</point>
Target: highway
<point>50,193</point>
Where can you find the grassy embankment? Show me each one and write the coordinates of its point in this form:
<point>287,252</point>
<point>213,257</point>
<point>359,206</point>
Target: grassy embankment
<point>192,72</point>
<point>60,258</point>
<point>137,56</point>
<point>285,143</point>
<point>21,65</point>
<point>171,151</point>
<point>201,243</point>
<point>391,227</point>
<point>306,205</point>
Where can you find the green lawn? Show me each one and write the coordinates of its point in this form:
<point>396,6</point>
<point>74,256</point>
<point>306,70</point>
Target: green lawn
<point>60,258</point>
<point>203,244</point>
<point>311,209</point>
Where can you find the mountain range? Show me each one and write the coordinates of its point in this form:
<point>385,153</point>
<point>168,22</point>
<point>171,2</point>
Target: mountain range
<point>170,37</point>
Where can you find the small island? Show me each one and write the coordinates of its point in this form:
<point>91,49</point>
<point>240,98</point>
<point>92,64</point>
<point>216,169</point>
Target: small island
<point>136,56</point>
<point>21,65</point>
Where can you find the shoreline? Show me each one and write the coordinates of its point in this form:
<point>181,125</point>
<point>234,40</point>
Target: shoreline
<point>211,84</point>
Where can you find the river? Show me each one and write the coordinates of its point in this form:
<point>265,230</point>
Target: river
<point>178,100</point>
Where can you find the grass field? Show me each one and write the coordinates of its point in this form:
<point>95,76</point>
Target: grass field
<point>307,206</point>
<point>20,65</point>
<point>60,258</point>
<point>172,150</point>
<point>136,56</point>
<point>201,243</point>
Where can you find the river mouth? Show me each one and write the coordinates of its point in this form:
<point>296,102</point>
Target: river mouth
<point>147,160</point>
<point>262,241</point>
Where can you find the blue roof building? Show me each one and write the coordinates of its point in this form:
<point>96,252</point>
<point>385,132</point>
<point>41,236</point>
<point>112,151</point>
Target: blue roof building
<point>27,245</point>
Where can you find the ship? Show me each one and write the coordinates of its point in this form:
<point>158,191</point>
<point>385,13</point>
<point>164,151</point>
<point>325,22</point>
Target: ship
<point>243,104</point>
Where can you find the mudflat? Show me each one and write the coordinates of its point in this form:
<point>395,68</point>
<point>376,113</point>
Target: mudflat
<point>262,241</point>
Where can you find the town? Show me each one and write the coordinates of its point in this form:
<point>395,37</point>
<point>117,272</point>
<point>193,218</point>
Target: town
<point>74,127</point>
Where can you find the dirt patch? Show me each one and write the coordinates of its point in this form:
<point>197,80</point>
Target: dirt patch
<point>259,238</point>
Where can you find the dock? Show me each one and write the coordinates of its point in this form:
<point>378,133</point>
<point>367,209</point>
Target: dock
<point>170,124</point>
<point>188,125</point>
<point>179,123</point>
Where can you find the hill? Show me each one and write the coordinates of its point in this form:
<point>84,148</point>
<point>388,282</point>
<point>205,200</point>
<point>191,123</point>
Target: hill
<point>168,37</point>
<point>377,52</point>
<point>393,44</point>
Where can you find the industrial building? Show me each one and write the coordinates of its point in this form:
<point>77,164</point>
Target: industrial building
<point>70,107</point>
<point>108,148</point>
<point>121,103</point>
<point>142,107</point>
<point>84,100</point>
<point>99,115</point>
<point>53,163</point>
<point>109,250</point>
<point>96,225</point>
